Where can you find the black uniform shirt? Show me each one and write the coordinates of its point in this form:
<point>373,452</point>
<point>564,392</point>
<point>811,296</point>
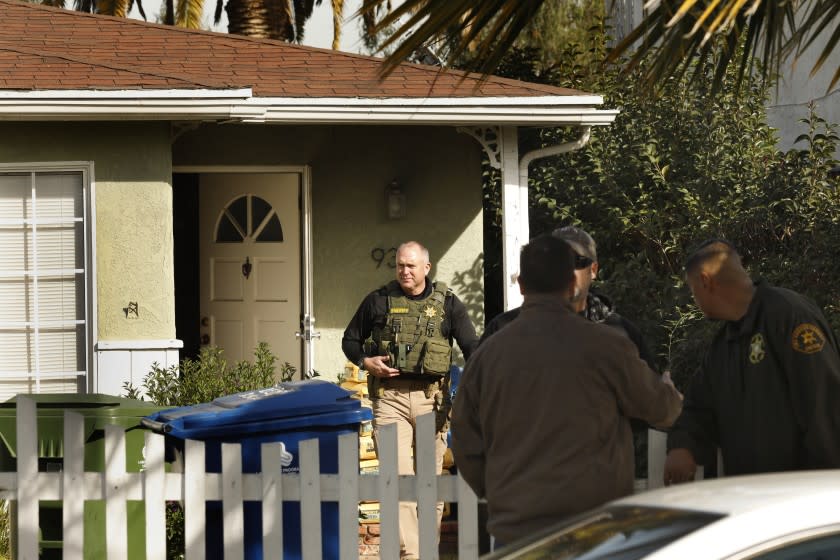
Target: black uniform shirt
<point>769,390</point>
<point>456,323</point>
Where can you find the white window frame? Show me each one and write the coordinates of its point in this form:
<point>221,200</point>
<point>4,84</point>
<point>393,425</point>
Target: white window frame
<point>86,169</point>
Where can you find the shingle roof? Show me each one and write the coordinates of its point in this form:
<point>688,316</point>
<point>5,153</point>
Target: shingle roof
<point>43,48</point>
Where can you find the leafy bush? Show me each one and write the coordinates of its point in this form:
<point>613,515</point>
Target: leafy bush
<point>202,380</point>
<point>674,170</point>
<point>209,377</point>
<point>5,531</point>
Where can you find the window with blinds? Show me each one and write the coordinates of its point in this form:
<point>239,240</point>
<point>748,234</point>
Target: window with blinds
<point>43,281</point>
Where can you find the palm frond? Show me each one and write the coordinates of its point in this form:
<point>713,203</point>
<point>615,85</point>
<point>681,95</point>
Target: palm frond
<point>819,17</point>
<point>302,13</point>
<point>338,20</point>
<point>105,7</point>
<point>86,6</point>
<point>188,13</point>
<point>669,32</point>
<point>489,27</point>
<point>139,4</point>
<point>368,13</point>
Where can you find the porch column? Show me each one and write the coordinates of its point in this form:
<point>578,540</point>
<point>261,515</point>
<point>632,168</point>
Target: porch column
<point>515,230</point>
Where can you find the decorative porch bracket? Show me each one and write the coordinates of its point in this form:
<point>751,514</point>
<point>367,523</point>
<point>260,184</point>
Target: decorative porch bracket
<point>501,144</point>
<point>489,138</point>
<point>502,147</point>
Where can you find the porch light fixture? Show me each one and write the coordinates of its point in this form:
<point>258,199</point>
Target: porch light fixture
<point>395,201</point>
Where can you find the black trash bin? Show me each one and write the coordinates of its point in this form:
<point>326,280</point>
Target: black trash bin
<point>288,413</point>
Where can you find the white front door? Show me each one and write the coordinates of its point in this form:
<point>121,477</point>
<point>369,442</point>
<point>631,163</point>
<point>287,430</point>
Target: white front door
<point>250,255</point>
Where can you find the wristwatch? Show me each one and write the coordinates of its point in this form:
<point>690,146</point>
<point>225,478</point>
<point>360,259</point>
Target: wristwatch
<point>361,363</point>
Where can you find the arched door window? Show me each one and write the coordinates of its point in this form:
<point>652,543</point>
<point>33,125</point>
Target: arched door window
<point>249,217</point>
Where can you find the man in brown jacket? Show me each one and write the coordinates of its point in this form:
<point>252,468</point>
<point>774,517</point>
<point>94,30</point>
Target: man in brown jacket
<point>540,423</point>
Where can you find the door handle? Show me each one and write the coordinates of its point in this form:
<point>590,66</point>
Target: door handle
<point>307,331</point>
<point>308,335</point>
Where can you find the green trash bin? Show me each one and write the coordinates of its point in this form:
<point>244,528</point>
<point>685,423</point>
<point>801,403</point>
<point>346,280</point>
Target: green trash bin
<point>98,411</point>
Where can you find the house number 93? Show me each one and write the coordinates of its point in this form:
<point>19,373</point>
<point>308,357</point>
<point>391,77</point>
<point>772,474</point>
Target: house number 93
<point>386,256</point>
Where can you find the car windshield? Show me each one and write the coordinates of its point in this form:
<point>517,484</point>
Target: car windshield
<point>615,533</point>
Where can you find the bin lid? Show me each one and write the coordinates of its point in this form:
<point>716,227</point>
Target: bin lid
<point>98,409</point>
<point>78,402</point>
<point>310,402</point>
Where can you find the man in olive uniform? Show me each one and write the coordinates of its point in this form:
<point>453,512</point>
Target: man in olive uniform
<point>768,389</point>
<point>409,325</point>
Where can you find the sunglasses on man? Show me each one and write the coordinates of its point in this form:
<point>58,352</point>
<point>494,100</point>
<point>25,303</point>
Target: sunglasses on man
<point>582,262</point>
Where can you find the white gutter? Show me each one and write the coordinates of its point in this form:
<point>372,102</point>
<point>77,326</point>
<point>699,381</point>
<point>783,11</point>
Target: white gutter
<point>515,226</point>
<point>526,160</point>
<point>238,105</point>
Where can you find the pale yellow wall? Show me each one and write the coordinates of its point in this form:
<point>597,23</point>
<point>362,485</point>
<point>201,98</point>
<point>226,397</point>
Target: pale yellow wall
<point>439,170</point>
<point>132,175</point>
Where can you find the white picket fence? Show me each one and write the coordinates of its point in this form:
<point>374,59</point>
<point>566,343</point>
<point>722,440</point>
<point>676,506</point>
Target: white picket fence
<point>154,486</point>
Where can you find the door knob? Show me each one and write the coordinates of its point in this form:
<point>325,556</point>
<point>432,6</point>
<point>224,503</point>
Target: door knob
<point>205,339</point>
<point>205,321</point>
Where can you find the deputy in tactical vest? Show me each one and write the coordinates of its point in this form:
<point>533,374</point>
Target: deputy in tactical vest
<point>402,335</point>
<point>409,333</point>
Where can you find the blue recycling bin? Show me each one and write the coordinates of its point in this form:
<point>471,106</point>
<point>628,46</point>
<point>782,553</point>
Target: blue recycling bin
<point>288,413</point>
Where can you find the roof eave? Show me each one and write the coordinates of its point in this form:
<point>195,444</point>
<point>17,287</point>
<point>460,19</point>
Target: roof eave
<point>238,105</point>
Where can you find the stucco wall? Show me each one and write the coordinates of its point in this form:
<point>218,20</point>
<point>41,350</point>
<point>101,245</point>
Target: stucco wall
<point>133,224</point>
<point>439,171</point>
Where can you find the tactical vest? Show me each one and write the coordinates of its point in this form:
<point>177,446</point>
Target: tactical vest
<point>411,335</point>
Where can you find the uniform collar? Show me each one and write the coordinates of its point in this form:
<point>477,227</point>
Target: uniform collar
<point>553,302</point>
<point>427,291</point>
<point>747,324</point>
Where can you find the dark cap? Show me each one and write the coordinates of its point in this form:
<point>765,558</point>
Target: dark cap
<point>580,241</point>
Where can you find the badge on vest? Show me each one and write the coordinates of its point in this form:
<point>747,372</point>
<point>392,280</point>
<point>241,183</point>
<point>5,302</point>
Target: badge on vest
<point>807,338</point>
<point>757,348</point>
<point>430,311</point>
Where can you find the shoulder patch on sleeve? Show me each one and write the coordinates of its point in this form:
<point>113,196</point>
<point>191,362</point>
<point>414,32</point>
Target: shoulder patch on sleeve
<point>807,338</point>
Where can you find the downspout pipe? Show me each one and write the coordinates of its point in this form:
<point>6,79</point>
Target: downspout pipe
<point>513,297</point>
<point>525,160</point>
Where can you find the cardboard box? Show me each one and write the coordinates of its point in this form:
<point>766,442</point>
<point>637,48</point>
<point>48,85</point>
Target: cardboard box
<point>369,512</point>
<point>358,387</point>
<point>367,449</point>
<point>353,373</point>
<point>369,466</point>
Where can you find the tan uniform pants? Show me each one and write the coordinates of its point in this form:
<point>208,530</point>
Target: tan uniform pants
<point>402,402</point>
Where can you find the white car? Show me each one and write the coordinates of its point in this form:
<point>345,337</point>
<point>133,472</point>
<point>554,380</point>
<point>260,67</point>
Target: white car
<point>784,516</point>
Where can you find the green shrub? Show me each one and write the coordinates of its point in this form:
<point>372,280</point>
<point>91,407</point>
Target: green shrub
<point>209,377</point>
<point>198,381</point>
<point>672,170</point>
<point>5,531</point>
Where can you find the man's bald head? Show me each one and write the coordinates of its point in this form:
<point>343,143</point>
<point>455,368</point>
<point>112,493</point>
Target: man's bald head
<point>716,277</point>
